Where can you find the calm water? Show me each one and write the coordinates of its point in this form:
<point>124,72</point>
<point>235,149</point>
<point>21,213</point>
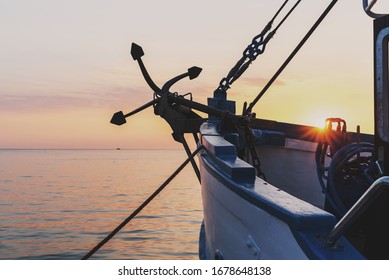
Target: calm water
<point>58,204</point>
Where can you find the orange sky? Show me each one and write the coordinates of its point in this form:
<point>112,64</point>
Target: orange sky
<point>65,66</point>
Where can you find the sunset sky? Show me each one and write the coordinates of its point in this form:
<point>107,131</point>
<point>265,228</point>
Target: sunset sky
<point>65,66</point>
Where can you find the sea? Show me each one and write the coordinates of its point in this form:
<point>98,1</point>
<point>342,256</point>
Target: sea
<point>58,204</point>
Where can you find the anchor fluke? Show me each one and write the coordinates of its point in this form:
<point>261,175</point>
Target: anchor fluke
<point>194,72</point>
<point>136,51</point>
<point>118,118</point>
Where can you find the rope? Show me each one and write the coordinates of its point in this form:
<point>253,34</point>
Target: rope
<point>279,11</point>
<point>286,16</point>
<point>143,205</point>
<point>291,56</point>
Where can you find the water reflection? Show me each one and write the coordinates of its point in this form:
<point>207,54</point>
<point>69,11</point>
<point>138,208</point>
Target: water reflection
<point>60,204</point>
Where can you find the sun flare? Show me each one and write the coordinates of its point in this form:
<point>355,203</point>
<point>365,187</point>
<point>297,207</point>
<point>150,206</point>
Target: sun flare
<point>317,119</point>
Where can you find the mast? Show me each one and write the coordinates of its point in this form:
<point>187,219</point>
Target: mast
<point>381,92</point>
<point>377,235</point>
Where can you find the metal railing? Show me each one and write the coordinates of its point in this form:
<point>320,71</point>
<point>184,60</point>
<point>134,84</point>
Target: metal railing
<point>358,208</point>
<point>368,6</point>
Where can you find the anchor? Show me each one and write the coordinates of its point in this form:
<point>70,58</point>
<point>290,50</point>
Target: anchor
<point>180,117</point>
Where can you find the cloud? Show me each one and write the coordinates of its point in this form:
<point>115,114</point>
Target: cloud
<point>89,97</point>
<point>106,93</point>
<point>26,102</point>
<point>259,82</point>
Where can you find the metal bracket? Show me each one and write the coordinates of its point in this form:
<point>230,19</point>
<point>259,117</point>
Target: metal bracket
<point>253,248</point>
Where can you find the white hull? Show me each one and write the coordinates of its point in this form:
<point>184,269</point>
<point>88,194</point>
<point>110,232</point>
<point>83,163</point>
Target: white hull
<point>248,218</point>
<point>250,232</point>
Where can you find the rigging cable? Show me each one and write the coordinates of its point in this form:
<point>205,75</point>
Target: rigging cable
<point>143,205</point>
<point>291,56</point>
<point>255,48</point>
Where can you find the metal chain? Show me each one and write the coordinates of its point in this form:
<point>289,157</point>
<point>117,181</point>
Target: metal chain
<point>251,150</point>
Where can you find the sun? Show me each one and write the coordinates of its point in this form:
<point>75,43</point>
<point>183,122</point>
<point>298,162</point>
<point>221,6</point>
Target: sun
<point>317,119</point>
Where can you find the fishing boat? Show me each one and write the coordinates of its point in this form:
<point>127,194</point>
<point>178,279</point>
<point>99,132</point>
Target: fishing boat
<point>275,190</point>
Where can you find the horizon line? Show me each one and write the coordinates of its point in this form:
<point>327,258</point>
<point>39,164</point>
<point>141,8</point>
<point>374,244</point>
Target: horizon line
<point>92,149</point>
